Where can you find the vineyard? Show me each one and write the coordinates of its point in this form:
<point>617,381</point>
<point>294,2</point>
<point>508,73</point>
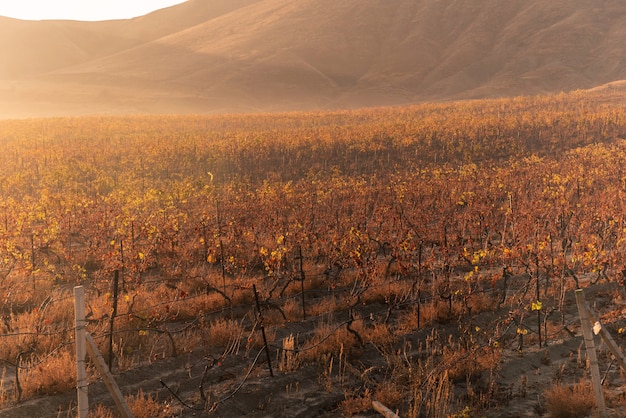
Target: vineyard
<point>306,264</point>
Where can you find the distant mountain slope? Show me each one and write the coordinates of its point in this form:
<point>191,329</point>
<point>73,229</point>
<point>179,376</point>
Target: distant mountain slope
<point>248,55</point>
<point>36,47</point>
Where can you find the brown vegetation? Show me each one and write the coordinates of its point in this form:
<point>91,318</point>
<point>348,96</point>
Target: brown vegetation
<point>435,248</point>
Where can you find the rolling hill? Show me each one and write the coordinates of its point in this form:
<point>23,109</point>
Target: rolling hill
<point>264,55</point>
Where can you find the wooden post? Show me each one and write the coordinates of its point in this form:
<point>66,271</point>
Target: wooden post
<point>116,278</point>
<point>302,283</point>
<point>122,262</point>
<point>383,410</point>
<point>219,236</point>
<point>538,299</point>
<point>107,377</point>
<point>32,262</point>
<point>608,340</point>
<point>591,351</point>
<point>267,351</point>
<point>82,385</point>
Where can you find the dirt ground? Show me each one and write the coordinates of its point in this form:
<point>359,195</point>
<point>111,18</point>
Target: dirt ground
<point>242,386</point>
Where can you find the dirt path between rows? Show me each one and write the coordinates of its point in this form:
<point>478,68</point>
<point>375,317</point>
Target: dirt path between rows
<point>242,386</point>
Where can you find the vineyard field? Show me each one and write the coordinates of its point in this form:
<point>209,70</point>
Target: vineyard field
<point>307,264</point>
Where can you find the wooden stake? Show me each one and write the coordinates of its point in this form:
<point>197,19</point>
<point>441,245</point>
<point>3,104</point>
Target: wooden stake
<point>112,319</point>
<point>591,352</point>
<point>82,385</point>
<point>267,351</point>
<point>608,340</point>
<point>219,236</point>
<point>107,377</point>
<point>383,410</point>
<point>302,283</point>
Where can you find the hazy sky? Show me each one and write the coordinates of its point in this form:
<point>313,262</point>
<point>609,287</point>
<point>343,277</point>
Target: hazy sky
<point>81,9</point>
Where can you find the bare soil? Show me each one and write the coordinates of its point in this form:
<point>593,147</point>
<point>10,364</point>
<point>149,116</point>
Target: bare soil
<point>240,384</point>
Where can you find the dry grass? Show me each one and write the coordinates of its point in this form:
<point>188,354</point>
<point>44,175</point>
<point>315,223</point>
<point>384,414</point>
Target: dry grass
<point>481,302</point>
<point>390,393</point>
<point>101,411</point>
<point>222,333</point>
<point>327,339</point>
<point>145,406</point>
<point>436,311</point>
<point>570,401</point>
<point>465,365</point>
<point>55,312</point>
<point>293,309</point>
<point>141,406</point>
<point>356,403</point>
<point>189,308</point>
<point>4,389</point>
<point>57,374</point>
<point>407,322</point>
<point>325,305</point>
<point>386,290</point>
<point>432,396</point>
<point>379,335</point>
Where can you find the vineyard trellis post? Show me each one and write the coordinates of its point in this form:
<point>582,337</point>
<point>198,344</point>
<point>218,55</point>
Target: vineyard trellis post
<point>591,351</point>
<point>122,264</point>
<point>260,315</point>
<point>107,378</point>
<point>84,344</point>
<point>302,282</point>
<point>81,373</point>
<point>608,340</point>
<point>538,296</point>
<point>32,261</point>
<point>116,278</point>
<point>221,243</point>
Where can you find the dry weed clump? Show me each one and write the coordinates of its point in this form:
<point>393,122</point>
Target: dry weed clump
<point>407,322</point>
<point>46,319</point>
<point>274,316</point>
<point>5,393</point>
<point>222,332</point>
<point>325,305</point>
<point>467,365</point>
<point>190,308</point>
<point>432,395</point>
<point>56,374</point>
<point>390,393</point>
<point>59,309</point>
<point>101,411</point>
<point>380,335</point>
<point>327,339</point>
<point>293,309</point>
<point>436,311</point>
<point>384,290</point>
<point>481,302</point>
<point>145,406</point>
<point>356,403</point>
<point>570,401</point>
<point>191,339</point>
<point>241,293</point>
<point>11,347</point>
<point>141,405</point>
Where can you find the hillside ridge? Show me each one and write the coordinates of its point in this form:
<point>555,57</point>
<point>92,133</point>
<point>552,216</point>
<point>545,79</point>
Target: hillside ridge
<point>268,55</point>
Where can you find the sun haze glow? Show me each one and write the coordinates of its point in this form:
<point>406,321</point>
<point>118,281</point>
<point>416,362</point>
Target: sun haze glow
<point>81,9</point>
